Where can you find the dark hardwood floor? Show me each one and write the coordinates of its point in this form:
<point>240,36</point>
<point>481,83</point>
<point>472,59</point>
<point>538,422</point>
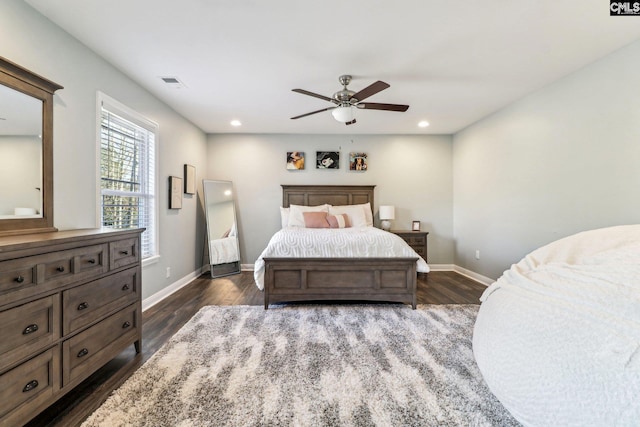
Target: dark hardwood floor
<point>164,319</point>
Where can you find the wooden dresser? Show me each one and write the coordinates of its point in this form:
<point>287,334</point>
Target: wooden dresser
<point>70,301</point>
<point>416,239</point>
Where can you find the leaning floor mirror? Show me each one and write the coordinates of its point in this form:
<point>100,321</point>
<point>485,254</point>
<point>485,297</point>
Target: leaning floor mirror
<point>222,228</point>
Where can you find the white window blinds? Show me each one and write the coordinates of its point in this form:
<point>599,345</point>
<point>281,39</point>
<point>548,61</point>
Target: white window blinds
<point>127,175</point>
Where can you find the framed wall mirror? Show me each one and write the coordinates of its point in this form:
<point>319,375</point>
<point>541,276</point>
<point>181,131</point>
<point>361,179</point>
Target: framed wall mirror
<point>222,228</point>
<point>26,150</point>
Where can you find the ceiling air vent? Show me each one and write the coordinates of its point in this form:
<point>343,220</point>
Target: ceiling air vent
<point>173,82</point>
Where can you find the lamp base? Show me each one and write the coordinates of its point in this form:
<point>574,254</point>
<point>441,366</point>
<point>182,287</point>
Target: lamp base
<point>386,225</point>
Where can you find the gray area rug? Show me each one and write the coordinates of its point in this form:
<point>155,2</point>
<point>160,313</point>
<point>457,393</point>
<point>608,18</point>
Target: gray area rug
<point>309,365</point>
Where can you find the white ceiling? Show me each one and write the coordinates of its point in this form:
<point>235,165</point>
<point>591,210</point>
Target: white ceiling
<point>452,62</point>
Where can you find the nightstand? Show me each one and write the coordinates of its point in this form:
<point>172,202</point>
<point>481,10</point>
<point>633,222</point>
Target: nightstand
<point>416,239</point>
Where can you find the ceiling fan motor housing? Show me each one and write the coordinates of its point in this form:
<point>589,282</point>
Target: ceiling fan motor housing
<point>344,96</point>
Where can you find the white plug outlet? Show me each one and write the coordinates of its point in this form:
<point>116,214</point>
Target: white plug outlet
<point>477,253</point>
<point>168,272</point>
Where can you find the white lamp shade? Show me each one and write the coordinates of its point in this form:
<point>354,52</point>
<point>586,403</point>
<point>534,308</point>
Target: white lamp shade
<point>342,114</point>
<point>387,212</point>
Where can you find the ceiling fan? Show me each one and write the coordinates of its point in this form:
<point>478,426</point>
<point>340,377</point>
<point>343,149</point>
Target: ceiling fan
<point>346,101</point>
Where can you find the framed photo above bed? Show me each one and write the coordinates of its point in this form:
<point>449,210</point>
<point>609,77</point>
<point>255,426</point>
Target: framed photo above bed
<point>327,160</point>
<point>358,162</point>
<point>295,160</point>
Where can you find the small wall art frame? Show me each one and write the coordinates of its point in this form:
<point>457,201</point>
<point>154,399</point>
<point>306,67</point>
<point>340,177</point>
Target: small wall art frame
<point>189,179</point>
<point>295,160</point>
<point>175,192</point>
<point>327,160</point>
<point>358,162</point>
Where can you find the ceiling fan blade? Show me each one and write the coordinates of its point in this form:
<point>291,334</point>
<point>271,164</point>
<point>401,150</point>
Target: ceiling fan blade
<point>306,92</point>
<point>372,89</point>
<point>386,107</point>
<point>350,123</point>
<point>313,112</point>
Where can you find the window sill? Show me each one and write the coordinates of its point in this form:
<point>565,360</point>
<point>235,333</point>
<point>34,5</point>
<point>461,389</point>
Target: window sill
<point>150,261</point>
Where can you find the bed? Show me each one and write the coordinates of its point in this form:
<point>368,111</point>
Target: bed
<point>557,337</point>
<point>366,278</point>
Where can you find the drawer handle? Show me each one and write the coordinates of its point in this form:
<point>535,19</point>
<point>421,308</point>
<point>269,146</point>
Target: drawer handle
<point>125,287</point>
<point>92,261</point>
<point>125,325</point>
<point>30,386</point>
<point>124,252</point>
<point>83,305</point>
<point>60,268</point>
<point>19,279</point>
<point>30,329</point>
<point>83,352</point>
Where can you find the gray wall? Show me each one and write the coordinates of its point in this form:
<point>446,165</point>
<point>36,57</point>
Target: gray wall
<point>413,173</point>
<point>562,160</point>
<point>35,43</point>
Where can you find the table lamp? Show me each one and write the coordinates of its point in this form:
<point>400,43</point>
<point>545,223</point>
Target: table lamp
<point>386,213</point>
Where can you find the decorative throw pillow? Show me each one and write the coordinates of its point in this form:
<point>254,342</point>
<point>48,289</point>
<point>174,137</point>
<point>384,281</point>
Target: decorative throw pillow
<point>315,219</point>
<point>356,214</point>
<point>339,221</point>
<point>284,217</point>
<point>295,213</point>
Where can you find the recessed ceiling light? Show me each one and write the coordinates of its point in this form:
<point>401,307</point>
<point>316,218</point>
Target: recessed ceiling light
<point>236,123</point>
<point>423,124</point>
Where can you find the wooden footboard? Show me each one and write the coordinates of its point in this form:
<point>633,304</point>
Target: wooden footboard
<point>324,279</point>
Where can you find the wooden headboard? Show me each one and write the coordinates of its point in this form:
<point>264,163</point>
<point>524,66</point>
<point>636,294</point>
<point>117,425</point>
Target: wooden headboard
<point>336,195</point>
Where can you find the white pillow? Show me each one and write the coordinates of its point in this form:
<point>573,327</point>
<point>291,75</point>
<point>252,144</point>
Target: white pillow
<point>357,214</point>
<point>296,219</point>
<point>284,217</point>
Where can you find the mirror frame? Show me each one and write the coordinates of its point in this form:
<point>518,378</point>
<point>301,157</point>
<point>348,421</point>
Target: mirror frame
<point>224,269</point>
<point>18,78</point>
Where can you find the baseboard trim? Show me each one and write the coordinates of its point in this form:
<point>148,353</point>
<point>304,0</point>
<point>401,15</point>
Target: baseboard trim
<point>246,267</point>
<point>441,267</point>
<point>172,288</point>
<point>473,275</point>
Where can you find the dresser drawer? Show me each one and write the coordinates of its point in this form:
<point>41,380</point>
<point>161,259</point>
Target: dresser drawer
<point>29,385</point>
<point>123,253</point>
<point>85,304</point>
<point>29,328</point>
<point>24,277</point>
<point>416,240</point>
<point>86,352</point>
<point>419,250</point>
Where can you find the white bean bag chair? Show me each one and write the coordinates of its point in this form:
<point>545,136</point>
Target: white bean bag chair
<point>557,337</point>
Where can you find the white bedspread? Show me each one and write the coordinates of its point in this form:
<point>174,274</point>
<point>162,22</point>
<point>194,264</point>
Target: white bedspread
<point>224,250</point>
<point>557,337</point>
<point>357,242</point>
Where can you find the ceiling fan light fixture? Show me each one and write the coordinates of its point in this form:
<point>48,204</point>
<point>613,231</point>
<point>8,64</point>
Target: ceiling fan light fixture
<point>343,114</point>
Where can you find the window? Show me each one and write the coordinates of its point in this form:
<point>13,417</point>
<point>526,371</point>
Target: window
<point>127,172</point>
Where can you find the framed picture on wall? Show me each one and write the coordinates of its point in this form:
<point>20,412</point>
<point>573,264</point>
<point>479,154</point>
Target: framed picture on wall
<point>327,160</point>
<point>189,179</point>
<point>175,192</point>
<point>358,162</point>
<point>295,160</point>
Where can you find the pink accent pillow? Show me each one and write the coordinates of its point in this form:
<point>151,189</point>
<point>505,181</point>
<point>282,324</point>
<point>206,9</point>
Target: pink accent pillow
<point>339,221</point>
<point>315,219</point>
